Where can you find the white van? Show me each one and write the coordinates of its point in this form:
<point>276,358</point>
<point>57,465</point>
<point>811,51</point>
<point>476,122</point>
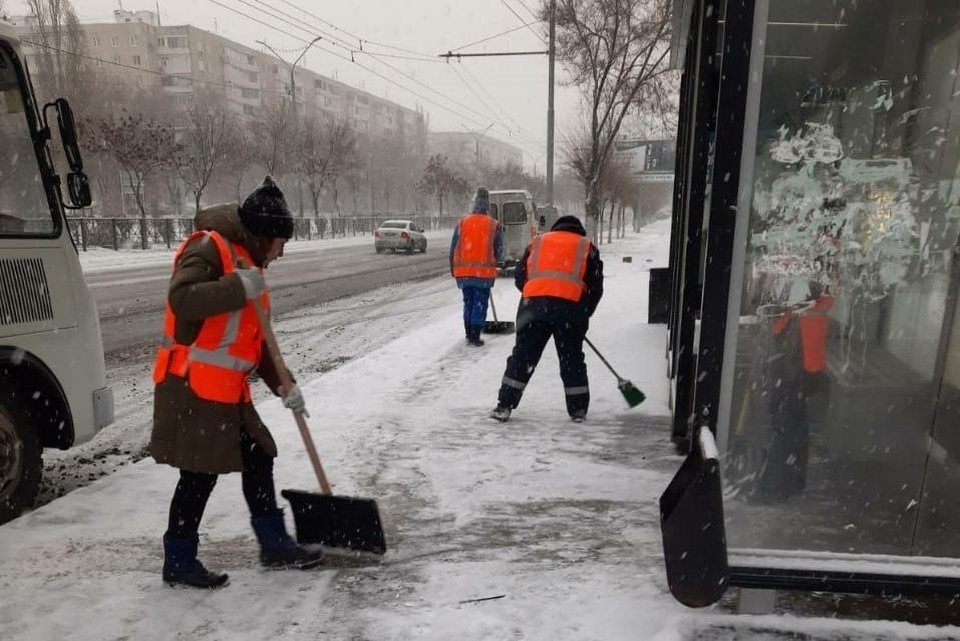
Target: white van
<point>517,213</point>
<point>53,387</point>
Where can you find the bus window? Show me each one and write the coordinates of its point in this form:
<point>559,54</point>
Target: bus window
<point>23,205</point>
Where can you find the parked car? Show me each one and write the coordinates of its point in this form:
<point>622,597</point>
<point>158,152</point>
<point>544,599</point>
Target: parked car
<point>399,235</point>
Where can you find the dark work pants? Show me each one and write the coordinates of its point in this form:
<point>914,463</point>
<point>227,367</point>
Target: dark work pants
<point>194,488</point>
<point>532,337</point>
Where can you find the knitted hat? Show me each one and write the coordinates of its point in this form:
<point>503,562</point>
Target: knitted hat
<point>481,202</point>
<point>265,212</point>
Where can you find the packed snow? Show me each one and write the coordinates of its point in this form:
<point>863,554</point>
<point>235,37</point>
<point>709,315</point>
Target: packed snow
<point>534,529</point>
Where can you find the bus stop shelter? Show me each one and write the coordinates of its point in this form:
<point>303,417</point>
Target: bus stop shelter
<point>814,277</point>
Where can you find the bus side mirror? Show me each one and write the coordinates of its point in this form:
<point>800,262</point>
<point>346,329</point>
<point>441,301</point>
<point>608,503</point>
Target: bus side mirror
<point>79,187</point>
<point>68,134</point>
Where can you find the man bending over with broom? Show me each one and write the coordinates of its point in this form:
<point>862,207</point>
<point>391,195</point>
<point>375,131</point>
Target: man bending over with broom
<point>561,280</point>
<point>204,422</point>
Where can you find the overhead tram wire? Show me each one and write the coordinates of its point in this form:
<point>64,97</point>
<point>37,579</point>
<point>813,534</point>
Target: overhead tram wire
<point>420,54</point>
<point>307,28</point>
<point>522,21</point>
<point>362,66</point>
<point>480,85</point>
<point>519,137</point>
<point>494,36</point>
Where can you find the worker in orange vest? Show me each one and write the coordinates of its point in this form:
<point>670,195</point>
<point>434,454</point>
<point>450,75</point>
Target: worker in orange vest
<point>475,249</point>
<point>797,374</point>
<point>204,422</point>
<point>561,279</point>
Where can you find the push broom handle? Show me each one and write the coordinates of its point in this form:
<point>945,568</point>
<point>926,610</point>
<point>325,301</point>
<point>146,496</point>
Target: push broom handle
<point>494,308</point>
<point>597,352</point>
<point>274,349</point>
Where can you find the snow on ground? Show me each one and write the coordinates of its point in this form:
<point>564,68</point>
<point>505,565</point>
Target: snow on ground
<point>99,259</point>
<point>555,524</point>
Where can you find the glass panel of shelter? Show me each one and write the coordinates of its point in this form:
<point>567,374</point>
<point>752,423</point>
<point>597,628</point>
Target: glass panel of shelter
<point>852,221</point>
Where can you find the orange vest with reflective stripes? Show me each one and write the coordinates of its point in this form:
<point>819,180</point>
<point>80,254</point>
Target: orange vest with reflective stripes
<point>557,265</point>
<point>474,255</point>
<point>228,346</point>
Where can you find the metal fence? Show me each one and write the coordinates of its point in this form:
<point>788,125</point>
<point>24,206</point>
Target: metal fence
<point>136,233</point>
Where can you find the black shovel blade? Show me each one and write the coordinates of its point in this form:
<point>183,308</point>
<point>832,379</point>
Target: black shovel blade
<point>337,521</point>
<point>499,327</point>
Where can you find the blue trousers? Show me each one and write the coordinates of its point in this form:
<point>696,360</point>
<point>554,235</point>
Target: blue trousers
<point>474,305</point>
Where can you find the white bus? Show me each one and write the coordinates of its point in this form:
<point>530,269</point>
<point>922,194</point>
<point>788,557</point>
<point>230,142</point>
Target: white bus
<point>53,389</point>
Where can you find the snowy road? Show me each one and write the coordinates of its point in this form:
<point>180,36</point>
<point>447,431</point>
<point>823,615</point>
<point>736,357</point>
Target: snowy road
<point>130,299</point>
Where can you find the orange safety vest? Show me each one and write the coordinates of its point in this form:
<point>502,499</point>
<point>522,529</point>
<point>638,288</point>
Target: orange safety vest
<point>226,349</point>
<point>474,256</point>
<point>557,265</point>
<point>814,325</point>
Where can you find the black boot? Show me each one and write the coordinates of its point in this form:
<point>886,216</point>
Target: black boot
<point>466,330</point>
<point>474,337</point>
<point>181,567</point>
<point>277,549</point>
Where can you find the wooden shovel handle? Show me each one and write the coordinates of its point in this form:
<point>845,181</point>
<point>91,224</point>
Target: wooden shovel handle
<point>274,349</point>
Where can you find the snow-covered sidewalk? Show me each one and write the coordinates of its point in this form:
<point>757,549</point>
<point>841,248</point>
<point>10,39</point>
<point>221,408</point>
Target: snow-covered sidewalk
<point>536,529</point>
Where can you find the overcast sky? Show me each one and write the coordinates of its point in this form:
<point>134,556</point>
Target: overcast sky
<point>519,84</point>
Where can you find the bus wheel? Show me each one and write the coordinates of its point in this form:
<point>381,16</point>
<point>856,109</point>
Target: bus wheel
<point>21,465</point>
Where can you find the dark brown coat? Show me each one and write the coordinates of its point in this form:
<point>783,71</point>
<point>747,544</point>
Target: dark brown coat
<point>191,433</point>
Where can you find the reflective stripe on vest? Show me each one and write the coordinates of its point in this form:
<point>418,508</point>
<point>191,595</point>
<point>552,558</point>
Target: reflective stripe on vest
<point>550,270</point>
<point>474,255</point>
<point>226,348</point>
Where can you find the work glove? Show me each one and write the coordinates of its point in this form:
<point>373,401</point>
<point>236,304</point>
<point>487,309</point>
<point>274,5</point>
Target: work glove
<point>293,400</point>
<point>253,284</point>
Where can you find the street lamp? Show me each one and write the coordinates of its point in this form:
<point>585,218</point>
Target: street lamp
<point>293,101</point>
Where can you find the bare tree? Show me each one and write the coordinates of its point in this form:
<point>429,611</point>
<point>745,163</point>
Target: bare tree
<point>59,43</point>
<point>325,151</point>
<point>617,52</point>
<point>139,145</point>
<point>439,181</point>
<point>272,138</point>
<point>211,139</point>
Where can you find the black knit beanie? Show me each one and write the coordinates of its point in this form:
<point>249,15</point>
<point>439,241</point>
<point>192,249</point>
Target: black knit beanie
<point>481,202</point>
<point>265,212</point>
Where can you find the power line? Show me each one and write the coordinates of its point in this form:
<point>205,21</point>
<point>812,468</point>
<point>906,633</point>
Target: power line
<point>497,35</point>
<point>520,18</point>
<point>364,67</point>
<point>479,84</point>
<point>529,10</point>
<point>298,25</point>
<point>359,40</point>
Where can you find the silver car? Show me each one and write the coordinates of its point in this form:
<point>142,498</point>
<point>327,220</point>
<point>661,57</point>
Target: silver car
<point>399,235</point>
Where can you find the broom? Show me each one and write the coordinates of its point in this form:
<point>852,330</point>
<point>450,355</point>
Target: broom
<point>631,394</point>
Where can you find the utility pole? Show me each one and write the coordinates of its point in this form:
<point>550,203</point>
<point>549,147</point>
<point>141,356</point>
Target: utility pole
<point>551,53</point>
<point>293,103</point>
<point>476,147</point>
<point>550,115</point>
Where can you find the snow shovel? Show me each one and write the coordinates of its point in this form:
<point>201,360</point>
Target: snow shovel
<point>324,519</point>
<point>498,326</point>
<point>631,394</point>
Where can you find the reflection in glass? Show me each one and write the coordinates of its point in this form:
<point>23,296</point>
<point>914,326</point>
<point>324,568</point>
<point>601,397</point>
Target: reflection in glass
<point>853,220</point>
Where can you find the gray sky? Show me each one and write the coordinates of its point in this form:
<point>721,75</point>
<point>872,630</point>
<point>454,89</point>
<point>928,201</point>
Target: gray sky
<point>518,84</point>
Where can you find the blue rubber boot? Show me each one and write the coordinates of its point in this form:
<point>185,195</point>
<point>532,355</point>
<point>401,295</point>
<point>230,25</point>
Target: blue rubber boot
<point>277,549</point>
<point>181,567</point>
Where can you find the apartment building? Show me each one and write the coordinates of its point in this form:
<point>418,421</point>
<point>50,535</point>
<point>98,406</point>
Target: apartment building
<point>181,60</point>
<point>471,151</point>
